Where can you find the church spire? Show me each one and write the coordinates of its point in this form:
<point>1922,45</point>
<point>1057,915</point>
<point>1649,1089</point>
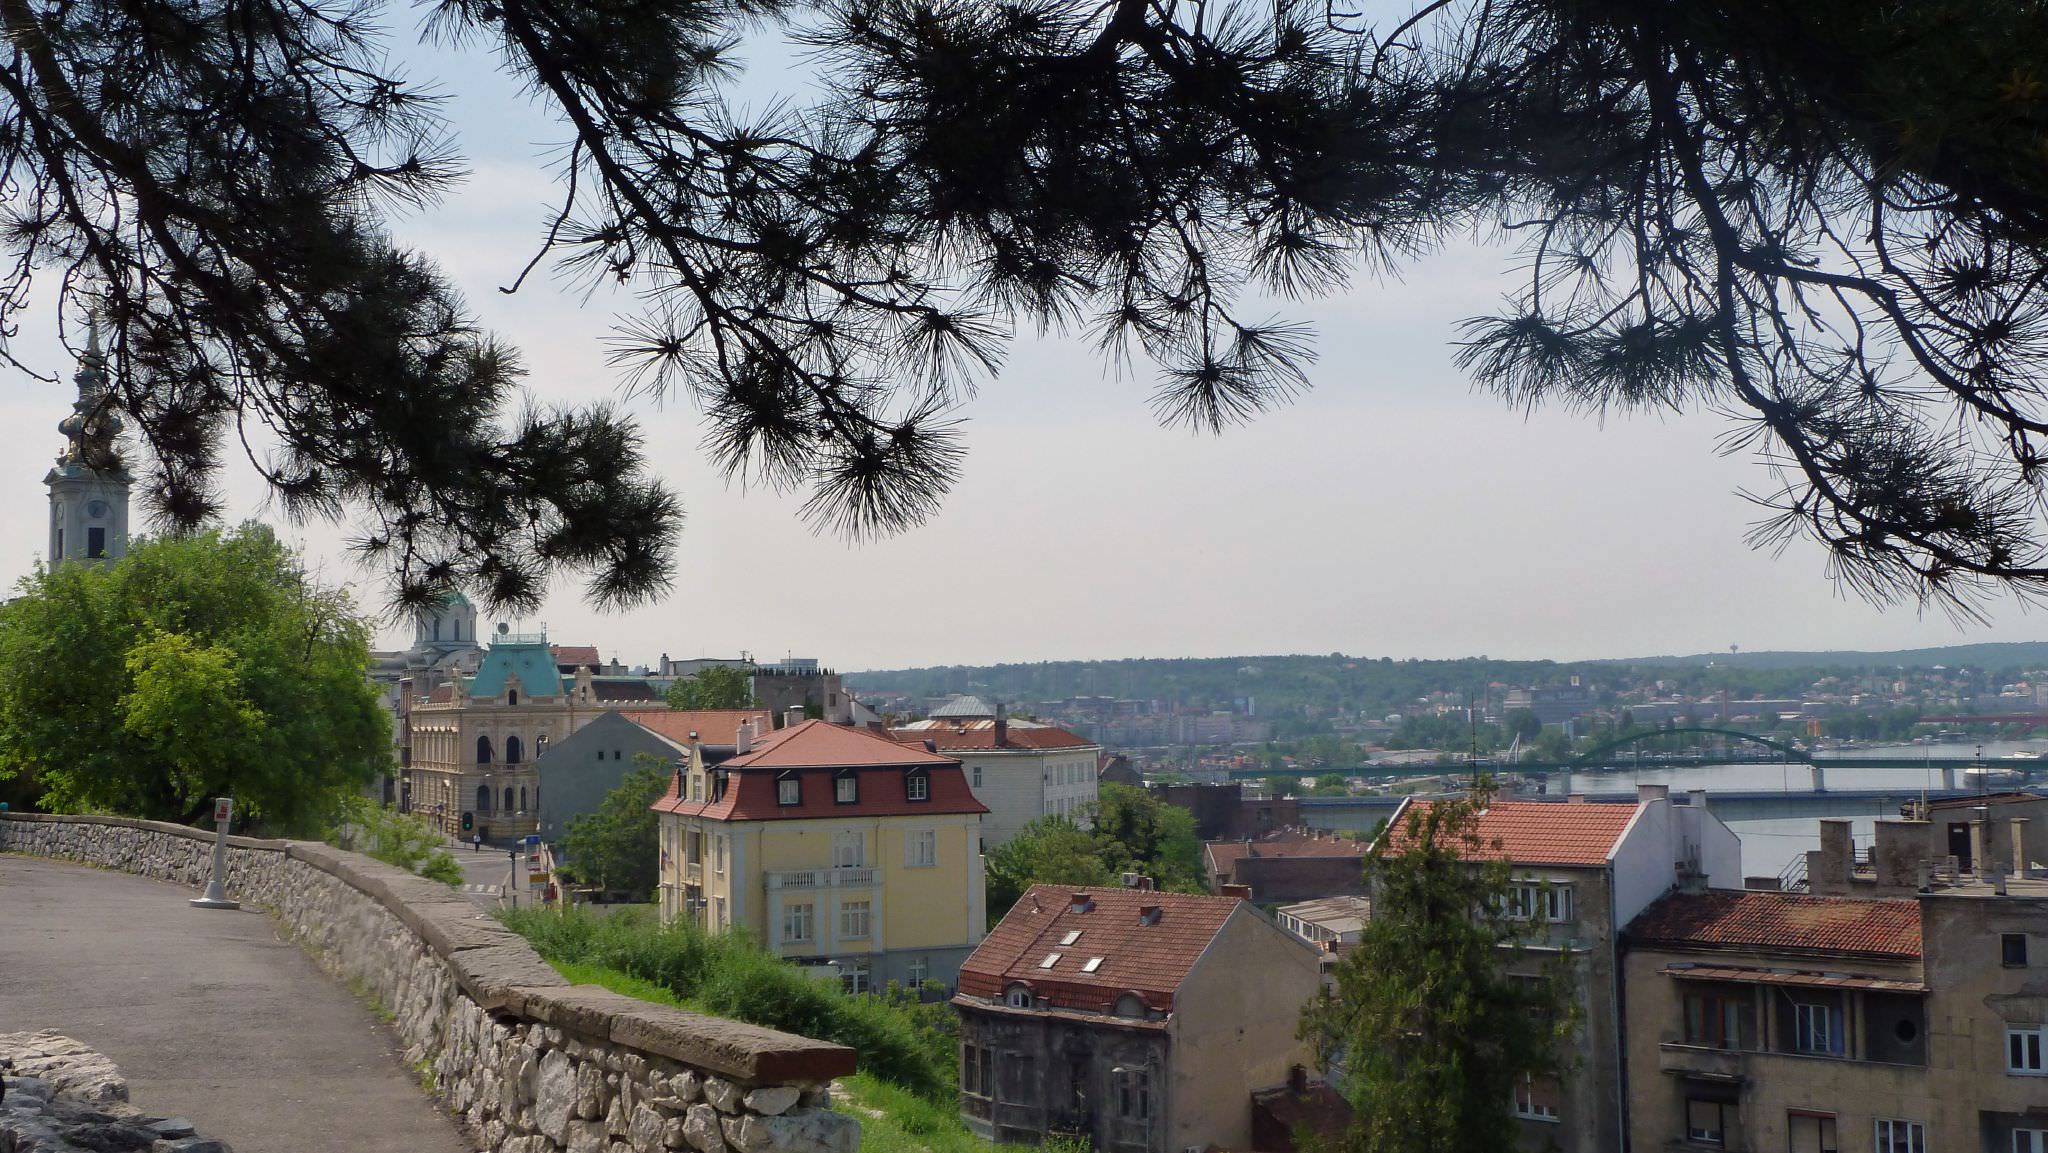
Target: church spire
<point>93,428</point>
<point>89,486</point>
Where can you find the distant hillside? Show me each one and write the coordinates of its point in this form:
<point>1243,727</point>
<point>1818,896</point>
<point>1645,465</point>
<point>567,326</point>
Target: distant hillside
<point>2001,655</point>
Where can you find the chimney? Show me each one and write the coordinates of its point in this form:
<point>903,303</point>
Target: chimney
<point>1977,862</point>
<point>1002,724</point>
<point>1241,892</point>
<point>1837,853</point>
<point>1897,852</point>
<point>743,740</point>
<point>792,716</point>
<point>1081,903</point>
<point>1697,798</point>
<point>1297,1079</point>
<point>2021,867</point>
<point>1652,793</point>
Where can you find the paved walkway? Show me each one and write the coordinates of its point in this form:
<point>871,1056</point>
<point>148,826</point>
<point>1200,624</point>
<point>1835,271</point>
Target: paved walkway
<point>209,1014</point>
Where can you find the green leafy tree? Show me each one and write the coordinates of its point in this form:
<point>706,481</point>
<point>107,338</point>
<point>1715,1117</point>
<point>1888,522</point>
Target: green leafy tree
<point>1134,831</point>
<point>1332,785</point>
<point>1049,851</point>
<point>618,847</point>
<point>1828,217</point>
<point>1437,1015</point>
<point>194,667</point>
<point>714,687</point>
<point>1283,785</point>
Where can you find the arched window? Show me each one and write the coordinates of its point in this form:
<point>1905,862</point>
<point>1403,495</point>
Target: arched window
<point>522,797</point>
<point>508,799</point>
<point>483,798</point>
<point>512,750</point>
<point>511,696</point>
<point>483,750</point>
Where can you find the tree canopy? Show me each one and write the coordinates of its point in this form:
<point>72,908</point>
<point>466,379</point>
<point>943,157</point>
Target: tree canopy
<point>1437,1016</point>
<point>1123,830</point>
<point>713,687</point>
<point>193,667</point>
<point>619,845</point>
<point>1825,218</point>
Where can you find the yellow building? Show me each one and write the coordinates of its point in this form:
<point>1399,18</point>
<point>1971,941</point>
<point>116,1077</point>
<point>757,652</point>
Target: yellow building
<point>831,846</point>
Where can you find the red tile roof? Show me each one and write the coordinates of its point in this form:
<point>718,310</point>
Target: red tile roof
<point>1781,923</point>
<point>816,753</point>
<point>1535,832</point>
<point>712,726</point>
<point>572,656</point>
<point>1150,960</point>
<point>970,735</point>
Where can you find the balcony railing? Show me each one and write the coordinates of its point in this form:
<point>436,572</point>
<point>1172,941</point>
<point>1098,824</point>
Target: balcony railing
<point>848,878</point>
<point>1702,1061</point>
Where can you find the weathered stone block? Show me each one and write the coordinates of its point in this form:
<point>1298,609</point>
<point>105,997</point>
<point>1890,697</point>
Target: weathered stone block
<point>771,1100</point>
<point>804,1131</point>
<point>723,1095</point>
<point>587,1137</point>
<point>554,1103</point>
<point>702,1131</point>
<point>645,1129</point>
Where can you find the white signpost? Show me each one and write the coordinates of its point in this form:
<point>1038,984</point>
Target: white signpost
<point>216,890</point>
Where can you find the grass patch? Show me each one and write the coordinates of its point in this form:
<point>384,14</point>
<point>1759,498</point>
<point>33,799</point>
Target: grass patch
<point>910,1045</point>
<point>906,1094</point>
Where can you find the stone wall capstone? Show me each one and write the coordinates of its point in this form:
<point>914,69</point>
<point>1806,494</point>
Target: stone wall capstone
<point>527,1061</point>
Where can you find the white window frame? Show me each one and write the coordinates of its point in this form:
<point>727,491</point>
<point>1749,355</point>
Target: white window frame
<point>856,920</point>
<point>1803,1014</point>
<point>849,849</point>
<point>846,789</point>
<point>1895,1136</point>
<point>2024,1050</point>
<point>789,791</point>
<point>2030,1141</point>
<point>1526,1105</point>
<point>920,971</point>
<point>1708,1136</point>
<point>1017,997</point>
<point>718,854</point>
<point>977,776</point>
<point>799,923</point>
<point>918,786</point>
<point>921,849</point>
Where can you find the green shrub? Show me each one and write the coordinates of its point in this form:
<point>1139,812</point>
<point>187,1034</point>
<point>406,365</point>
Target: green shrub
<point>406,840</point>
<point>907,1044</point>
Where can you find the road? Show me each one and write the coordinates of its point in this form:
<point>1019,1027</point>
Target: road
<point>209,1014</point>
<point>487,872</point>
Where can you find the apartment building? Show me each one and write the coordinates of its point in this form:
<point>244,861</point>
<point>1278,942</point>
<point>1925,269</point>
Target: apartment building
<point>832,846</point>
<point>1768,1021</point>
<point>1021,770</point>
<point>1581,871</point>
<point>1124,1017</point>
<point>1287,865</point>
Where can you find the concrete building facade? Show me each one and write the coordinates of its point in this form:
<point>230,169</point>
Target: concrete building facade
<point>1582,871</point>
<point>1768,1021</point>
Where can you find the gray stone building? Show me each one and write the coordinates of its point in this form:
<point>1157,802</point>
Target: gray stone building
<point>1122,1016</point>
<point>577,772</point>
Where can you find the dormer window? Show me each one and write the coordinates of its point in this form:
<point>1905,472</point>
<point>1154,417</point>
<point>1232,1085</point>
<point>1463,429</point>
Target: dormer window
<point>789,790</point>
<point>1017,997</point>
<point>1130,1005</point>
<point>846,789</point>
<point>918,786</point>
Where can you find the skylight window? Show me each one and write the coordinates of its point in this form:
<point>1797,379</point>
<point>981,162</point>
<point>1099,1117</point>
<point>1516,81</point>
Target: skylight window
<point>1072,936</point>
<point>1051,959</point>
<point>1092,964</point>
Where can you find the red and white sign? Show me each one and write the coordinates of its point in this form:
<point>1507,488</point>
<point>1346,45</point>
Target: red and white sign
<point>223,807</point>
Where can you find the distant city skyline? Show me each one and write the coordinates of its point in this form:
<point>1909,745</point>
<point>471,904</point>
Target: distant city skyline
<point>1388,512</point>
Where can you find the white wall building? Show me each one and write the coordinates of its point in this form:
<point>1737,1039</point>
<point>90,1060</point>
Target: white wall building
<point>1021,770</point>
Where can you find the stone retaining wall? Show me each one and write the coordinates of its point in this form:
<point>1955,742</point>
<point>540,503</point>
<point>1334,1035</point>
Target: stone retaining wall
<point>531,1063</point>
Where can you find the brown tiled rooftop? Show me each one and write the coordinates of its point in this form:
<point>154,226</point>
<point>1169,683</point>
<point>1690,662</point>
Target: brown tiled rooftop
<point>968,735</point>
<point>1535,832</point>
<point>712,726</point>
<point>1782,922</point>
<point>1148,959</point>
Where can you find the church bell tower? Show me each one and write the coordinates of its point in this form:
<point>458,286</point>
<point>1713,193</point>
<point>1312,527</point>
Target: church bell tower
<point>89,485</point>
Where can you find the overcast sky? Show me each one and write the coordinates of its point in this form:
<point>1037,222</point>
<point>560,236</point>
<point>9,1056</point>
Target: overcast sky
<point>1390,511</point>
